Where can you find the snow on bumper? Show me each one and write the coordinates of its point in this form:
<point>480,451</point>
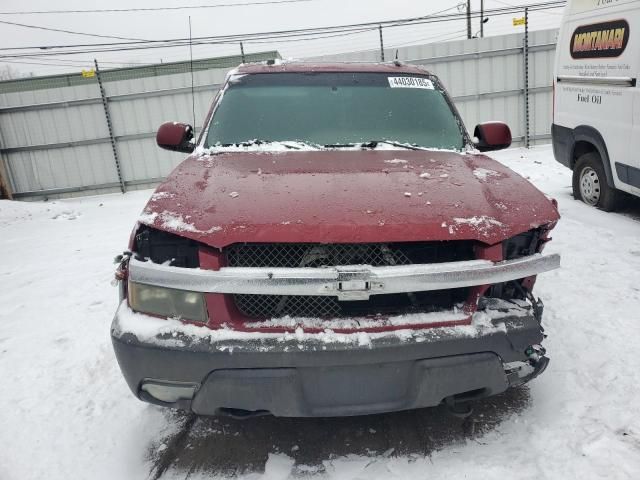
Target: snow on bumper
<point>351,282</point>
<point>324,374</point>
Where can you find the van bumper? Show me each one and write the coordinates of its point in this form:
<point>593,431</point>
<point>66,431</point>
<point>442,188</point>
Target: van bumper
<point>317,378</point>
<point>563,141</point>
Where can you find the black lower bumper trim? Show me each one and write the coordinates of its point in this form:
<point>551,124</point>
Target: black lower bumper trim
<point>288,379</point>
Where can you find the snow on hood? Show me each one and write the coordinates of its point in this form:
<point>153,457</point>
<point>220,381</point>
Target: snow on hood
<point>345,196</point>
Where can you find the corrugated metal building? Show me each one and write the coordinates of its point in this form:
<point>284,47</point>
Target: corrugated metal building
<point>54,135</point>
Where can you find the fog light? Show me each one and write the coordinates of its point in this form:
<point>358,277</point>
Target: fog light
<point>169,392</point>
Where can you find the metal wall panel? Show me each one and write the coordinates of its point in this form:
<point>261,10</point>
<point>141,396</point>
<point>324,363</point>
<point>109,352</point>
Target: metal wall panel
<point>54,138</point>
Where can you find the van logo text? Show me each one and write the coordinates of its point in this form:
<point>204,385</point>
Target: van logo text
<point>600,40</point>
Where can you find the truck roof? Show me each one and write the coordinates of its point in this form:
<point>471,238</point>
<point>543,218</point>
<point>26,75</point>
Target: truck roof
<point>302,67</point>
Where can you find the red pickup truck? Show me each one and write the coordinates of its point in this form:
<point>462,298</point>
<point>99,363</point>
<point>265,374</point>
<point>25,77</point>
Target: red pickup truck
<point>335,244</point>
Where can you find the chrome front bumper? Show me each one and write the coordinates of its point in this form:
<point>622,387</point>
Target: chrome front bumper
<point>349,282</point>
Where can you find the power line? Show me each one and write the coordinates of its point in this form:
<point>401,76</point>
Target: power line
<point>51,29</point>
<point>446,34</point>
<point>231,38</point>
<point>307,39</point>
<point>72,61</point>
<point>83,61</point>
<point>431,17</point>
<point>346,33</point>
<point>523,6</point>
<point>87,63</point>
<point>152,9</point>
<point>274,36</point>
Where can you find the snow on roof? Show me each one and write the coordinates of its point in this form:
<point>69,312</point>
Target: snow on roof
<point>301,66</point>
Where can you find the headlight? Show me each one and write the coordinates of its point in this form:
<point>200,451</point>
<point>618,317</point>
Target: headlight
<point>167,302</point>
<point>521,245</point>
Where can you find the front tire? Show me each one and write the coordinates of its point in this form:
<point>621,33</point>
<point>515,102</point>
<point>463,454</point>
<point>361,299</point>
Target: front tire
<point>590,183</point>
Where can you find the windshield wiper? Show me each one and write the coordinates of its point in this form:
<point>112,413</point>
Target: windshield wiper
<point>290,144</point>
<point>297,144</point>
<point>373,144</point>
<point>341,145</point>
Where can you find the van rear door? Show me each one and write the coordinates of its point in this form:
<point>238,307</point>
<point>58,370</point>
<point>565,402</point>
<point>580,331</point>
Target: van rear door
<point>630,173</point>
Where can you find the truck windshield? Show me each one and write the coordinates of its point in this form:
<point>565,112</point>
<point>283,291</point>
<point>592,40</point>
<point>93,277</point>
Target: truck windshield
<point>335,109</point>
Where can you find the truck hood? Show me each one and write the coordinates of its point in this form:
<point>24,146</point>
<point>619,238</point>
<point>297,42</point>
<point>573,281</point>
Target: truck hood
<point>346,196</point>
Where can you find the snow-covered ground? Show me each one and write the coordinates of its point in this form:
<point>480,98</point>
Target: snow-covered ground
<point>65,411</point>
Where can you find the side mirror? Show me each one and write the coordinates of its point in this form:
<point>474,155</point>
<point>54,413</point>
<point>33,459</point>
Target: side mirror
<point>175,137</point>
<point>492,136</point>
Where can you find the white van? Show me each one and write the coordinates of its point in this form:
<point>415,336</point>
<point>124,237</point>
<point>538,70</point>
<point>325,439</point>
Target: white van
<point>596,116</point>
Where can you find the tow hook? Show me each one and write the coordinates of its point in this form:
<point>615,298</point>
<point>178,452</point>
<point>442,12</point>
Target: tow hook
<point>537,359</point>
<point>534,353</point>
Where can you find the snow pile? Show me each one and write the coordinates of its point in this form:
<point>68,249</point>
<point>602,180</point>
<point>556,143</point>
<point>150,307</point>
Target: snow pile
<point>396,161</point>
<point>256,146</point>
<point>484,173</point>
<point>16,212</point>
<point>173,221</point>
<point>161,196</point>
<point>172,332</point>
<point>483,224</point>
<point>275,147</point>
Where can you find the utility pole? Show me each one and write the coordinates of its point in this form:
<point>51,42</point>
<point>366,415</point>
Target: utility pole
<point>525,51</point>
<point>481,18</point>
<point>469,19</point>
<point>112,138</point>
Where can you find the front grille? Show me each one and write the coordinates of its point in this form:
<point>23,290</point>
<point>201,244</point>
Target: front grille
<point>274,306</point>
<point>270,306</point>
<point>294,255</point>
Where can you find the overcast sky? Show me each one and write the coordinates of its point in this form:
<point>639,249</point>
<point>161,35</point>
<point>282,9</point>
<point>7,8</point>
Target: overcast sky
<point>232,20</point>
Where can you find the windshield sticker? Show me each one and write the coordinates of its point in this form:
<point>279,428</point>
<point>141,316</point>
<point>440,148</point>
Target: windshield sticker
<point>410,82</point>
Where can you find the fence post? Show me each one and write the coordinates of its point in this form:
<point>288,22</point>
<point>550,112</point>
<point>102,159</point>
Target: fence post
<point>242,52</point>
<point>114,147</point>
<point>5,185</point>
<point>469,34</point>
<point>381,44</point>
<point>525,52</point>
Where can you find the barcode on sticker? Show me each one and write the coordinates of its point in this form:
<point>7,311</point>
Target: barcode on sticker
<point>410,82</point>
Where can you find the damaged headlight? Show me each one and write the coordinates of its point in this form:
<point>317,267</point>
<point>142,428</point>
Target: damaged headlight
<point>167,302</point>
<point>521,245</point>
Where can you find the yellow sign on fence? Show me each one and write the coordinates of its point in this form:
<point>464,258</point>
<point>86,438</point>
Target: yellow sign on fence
<point>518,21</point>
<point>88,73</point>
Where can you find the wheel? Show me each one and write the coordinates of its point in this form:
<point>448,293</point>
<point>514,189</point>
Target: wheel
<point>590,183</point>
